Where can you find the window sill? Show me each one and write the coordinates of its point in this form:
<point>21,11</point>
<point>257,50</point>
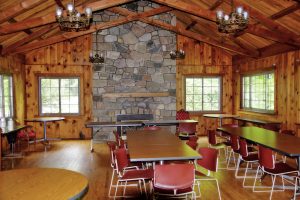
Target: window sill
<point>256,112</point>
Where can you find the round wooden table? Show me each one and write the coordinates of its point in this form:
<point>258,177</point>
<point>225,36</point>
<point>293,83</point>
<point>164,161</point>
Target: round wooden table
<point>42,183</point>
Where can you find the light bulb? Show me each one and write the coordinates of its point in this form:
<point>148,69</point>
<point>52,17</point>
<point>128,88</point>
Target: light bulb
<point>58,11</point>
<point>70,7</point>
<point>239,10</point>
<point>220,14</point>
<point>88,12</point>
<point>78,15</point>
<point>226,17</point>
<point>245,15</point>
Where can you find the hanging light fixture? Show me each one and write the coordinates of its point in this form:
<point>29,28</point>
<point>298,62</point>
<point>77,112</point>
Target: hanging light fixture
<point>235,22</point>
<point>177,54</point>
<point>73,20</point>
<point>98,58</point>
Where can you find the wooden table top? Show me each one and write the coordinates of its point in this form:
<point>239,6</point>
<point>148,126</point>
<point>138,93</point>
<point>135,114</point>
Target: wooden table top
<point>42,183</point>
<point>44,119</point>
<point>158,145</point>
<point>112,124</point>
<point>167,122</point>
<point>220,116</point>
<point>12,128</point>
<point>256,121</point>
<point>286,144</point>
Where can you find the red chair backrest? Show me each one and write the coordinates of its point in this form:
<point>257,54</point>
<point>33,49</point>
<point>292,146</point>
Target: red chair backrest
<point>152,128</point>
<point>121,159</point>
<point>288,132</point>
<point>266,157</point>
<point>209,158</point>
<point>211,134</point>
<point>192,144</point>
<point>193,138</point>
<point>243,147</point>
<point>187,128</point>
<point>272,127</point>
<point>174,176</point>
<point>234,141</point>
<point>182,115</point>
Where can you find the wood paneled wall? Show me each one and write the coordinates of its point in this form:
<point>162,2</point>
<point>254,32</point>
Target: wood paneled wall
<point>287,78</point>
<point>203,59</point>
<point>14,65</point>
<point>68,58</point>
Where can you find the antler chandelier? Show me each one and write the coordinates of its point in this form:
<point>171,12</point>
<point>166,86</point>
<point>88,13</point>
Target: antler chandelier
<point>98,58</point>
<point>235,22</point>
<point>73,20</point>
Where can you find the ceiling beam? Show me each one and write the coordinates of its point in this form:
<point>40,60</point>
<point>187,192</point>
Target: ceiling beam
<point>275,49</point>
<point>267,22</point>
<point>69,35</point>
<point>59,3</point>
<point>286,11</point>
<point>216,4</point>
<point>50,18</point>
<point>35,35</point>
<point>191,25</point>
<point>18,8</point>
<point>180,29</point>
<point>190,8</point>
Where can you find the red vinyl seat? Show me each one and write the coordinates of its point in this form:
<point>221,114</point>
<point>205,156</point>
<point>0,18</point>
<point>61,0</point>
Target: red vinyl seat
<point>28,135</point>
<point>174,180</point>
<point>127,173</point>
<point>268,165</point>
<point>209,162</point>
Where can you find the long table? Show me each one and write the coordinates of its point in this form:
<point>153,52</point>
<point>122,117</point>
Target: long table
<point>285,144</point>
<point>160,145</point>
<point>168,122</point>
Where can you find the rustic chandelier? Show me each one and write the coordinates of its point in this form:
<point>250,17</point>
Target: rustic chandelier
<point>235,22</point>
<point>97,58</point>
<point>177,54</point>
<point>73,20</point>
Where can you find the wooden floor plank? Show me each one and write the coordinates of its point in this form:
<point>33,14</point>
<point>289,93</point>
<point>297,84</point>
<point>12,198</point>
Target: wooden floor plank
<point>75,155</point>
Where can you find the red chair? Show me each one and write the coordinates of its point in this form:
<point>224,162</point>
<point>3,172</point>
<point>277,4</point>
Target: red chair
<point>112,147</point>
<point>174,180</point>
<point>185,130</point>
<point>193,138</point>
<point>152,128</point>
<point>209,161</point>
<point>128,173</point>
<point>212,142</point>
<point>28,135</point>
<point>246,157</point>
<point>272,127</point>
<point>268,165</point>
<point>235,149</point>
<point>121,143</point>
<point>192,144</point>
<point>288,132</point>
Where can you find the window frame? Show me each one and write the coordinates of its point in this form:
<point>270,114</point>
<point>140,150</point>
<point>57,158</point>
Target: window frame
<point>256,73</point>
<point>12,92</point>
<point>220,77</point>
<point>40,77</point>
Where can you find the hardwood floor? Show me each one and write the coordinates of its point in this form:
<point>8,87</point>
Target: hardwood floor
<point>75,155</point>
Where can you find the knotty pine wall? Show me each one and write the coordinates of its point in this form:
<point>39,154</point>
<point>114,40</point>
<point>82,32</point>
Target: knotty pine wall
<point>203,59</point>
<point>69,58</point>
<point>14,65</point>
<point>287,77</point>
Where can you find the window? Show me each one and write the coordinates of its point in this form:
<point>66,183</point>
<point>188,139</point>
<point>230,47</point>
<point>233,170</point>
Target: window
<point>258,92</point>
<point>6,96</point>
<point>59,95</point>
<point>203,93</point>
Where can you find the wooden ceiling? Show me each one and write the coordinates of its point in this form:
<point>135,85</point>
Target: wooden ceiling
<point>274,24</point>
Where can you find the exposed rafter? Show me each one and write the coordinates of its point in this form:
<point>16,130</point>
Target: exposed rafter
<point>189,8</point>
<point>191,25</point>
<point>216,4</point>
<point>180,29</point>
<point>59,3</point>
<point>105,25</point>
<point>286,11</point>
<point>17,9</point>
<point>50,18</point>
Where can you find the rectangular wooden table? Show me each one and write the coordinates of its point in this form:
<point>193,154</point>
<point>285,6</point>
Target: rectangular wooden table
<point>285,144</point>
<point>220,117</point>
<point>160,145</point>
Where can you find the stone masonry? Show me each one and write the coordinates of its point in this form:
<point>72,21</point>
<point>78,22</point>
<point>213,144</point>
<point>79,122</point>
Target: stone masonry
<point>136,60</point>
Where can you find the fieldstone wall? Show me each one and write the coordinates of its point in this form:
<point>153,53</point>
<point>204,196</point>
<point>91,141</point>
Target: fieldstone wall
<point>136,60</point>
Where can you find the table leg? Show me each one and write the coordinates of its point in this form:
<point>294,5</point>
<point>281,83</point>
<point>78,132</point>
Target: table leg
<point>45,131</point>
<point>220,122</point>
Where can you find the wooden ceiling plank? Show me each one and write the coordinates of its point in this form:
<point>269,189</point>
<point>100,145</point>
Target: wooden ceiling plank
<point>180,29</point>
<point>9,49</point>
<point>69,35</point>
<point>59,3</point>
<point>216,4</point>
<point>267,22</point>
<point>286,11</point>
<point>15,10</point>
<point>189,8</point>
<point>252,51</point>
<point>50,18</point>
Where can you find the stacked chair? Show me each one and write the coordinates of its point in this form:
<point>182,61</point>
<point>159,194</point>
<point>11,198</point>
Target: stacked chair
<point>185,130</point>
